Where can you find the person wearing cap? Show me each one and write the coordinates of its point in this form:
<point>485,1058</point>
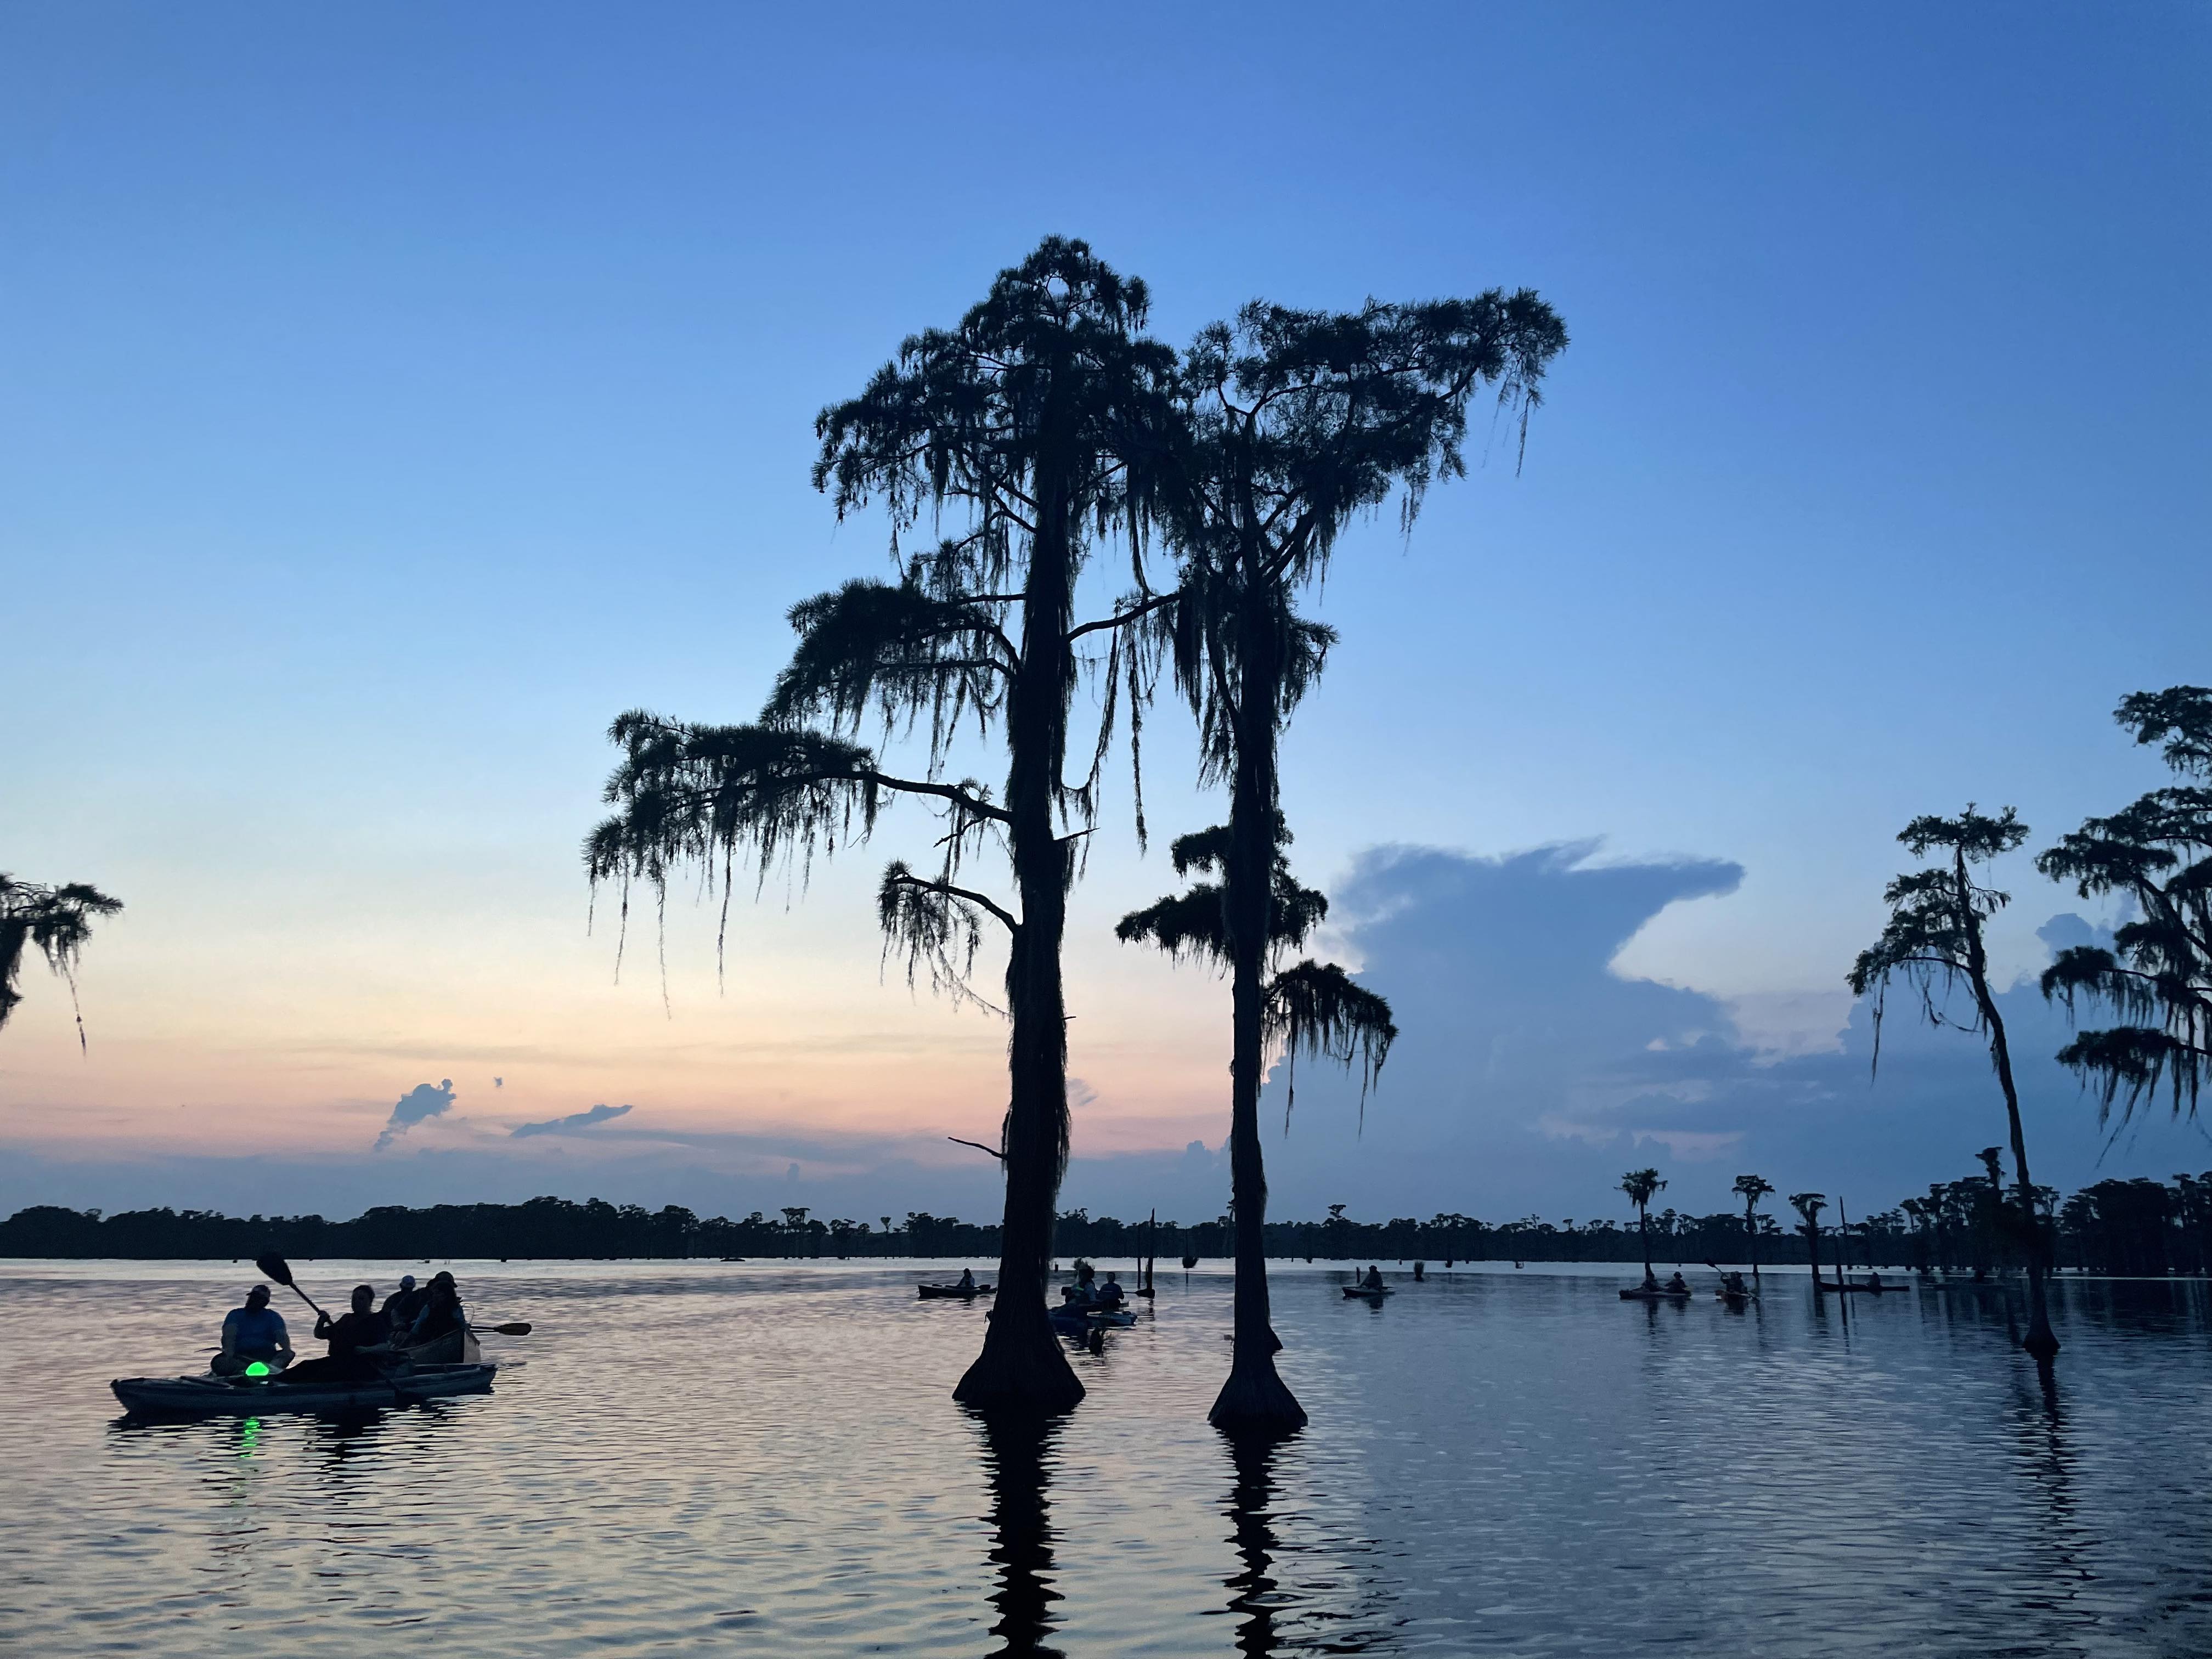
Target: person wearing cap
<point>252,1335</point>
<point>404,1305</point>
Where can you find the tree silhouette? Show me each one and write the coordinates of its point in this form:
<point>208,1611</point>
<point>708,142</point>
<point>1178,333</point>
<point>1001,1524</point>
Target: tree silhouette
<point>1034,418</point>
<point>1309,1007</point>
<point>1751,1188</point>
<point>1642,1186</point>
<point>57,921</point>
<point>1297,422</point>
<point>2157,977</point>
<point>1808,1207</point>
<point>1933,941</point>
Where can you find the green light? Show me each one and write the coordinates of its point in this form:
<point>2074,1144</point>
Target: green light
<point>257,1368</point>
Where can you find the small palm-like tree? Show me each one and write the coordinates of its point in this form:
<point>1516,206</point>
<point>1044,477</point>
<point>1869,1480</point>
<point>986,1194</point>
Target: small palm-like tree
<point>1642,1186</point>
<point>1934,943</point>
<point>1809,1205</point>
<point>1751,1188</point>
<point>57,921</point>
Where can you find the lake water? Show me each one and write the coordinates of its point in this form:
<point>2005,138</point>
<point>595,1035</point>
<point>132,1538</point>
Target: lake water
<point>763,1459</point>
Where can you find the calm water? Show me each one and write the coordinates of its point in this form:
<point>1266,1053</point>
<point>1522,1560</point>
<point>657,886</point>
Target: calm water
<point>762,1458</point>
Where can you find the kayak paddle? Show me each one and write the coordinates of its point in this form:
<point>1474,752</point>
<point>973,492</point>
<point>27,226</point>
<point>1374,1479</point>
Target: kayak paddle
<point>520,1327</point>
<point>281,1270</point>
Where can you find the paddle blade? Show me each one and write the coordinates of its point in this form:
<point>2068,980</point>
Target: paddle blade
<point>520,1327</point>
<point>276,1267</point>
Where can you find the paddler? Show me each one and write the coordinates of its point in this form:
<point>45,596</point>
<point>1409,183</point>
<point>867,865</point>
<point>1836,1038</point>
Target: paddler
<point>1374,1279</point>
<point>1677,1285</point>
<point>967,1279</point>
<point>1110,1294</point>
<point>442,1322</point>
<point>1732,1285</point>
<point>254,1334</point>
<point>355,1337</point>
<point>404,1305</point>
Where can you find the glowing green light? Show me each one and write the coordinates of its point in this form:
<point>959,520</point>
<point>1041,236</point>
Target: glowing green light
<point>257,1368</point>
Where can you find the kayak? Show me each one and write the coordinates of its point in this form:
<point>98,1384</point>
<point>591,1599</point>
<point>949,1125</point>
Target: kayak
<point>965,1292</point>
<point>1078,1321</point>
<point>1639,1294</point>
<point>210,1395</point>
<point>1367,1293</point>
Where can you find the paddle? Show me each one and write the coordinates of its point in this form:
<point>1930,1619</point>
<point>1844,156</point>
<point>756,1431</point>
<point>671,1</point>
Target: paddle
<point>281,1270</point>
<point>519,1328</point>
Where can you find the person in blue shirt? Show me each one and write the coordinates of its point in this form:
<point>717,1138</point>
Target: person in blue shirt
<point>254,1332</point>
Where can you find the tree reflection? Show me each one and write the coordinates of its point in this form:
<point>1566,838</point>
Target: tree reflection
<point>1252,1594</point>
<point>1018,1451</point>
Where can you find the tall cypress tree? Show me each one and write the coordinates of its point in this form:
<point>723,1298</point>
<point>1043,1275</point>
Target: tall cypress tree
<point>1036,421</point>
<point>1298,421</point>
<point>1933,942</point>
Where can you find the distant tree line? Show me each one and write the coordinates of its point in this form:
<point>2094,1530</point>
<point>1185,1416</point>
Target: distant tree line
<point>2138,1227</point>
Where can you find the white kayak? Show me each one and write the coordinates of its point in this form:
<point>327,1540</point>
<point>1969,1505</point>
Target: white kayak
<point>209,1395</point>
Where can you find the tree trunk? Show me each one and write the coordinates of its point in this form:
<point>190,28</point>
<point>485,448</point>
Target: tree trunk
<point>1751,1241</point>
<point>1644,1237</point>
<point>1255,1400</point>
<point>2041,1340</point>
<point>1813,1251</point>
<point>1023,1367</point>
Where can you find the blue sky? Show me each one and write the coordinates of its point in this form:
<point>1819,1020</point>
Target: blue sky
<point>390,397</point>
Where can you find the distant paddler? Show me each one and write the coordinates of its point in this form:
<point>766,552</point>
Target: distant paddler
<point>1374,1279</point>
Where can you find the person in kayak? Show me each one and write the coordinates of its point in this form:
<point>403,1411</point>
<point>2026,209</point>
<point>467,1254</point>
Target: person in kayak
<point>1874,1281</point>
<point>1732,1285</point>
<point>442,1325</point>
<point>1676,1285</point>
<point>1650,1285</point>
<point>1110,1295</point>
<point>356,1340</point>
<point>967,1279</point>
<point>404,1305</point>
<point>1374,1279</point>
<point>254,1334</point>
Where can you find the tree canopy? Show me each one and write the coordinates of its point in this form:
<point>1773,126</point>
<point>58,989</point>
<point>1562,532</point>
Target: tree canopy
<point>2156,978</point>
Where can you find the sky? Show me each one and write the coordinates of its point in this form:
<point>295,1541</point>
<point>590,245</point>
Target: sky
<point>389,398</point>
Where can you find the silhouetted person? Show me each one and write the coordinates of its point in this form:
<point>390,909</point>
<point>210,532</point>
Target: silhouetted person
<point>1109,1294</point>
<point>354,1339</point>
<point>1676,1285</point>
<point>404,1305</point>
<point>967,1278</point>
<point>1650,1279</point>
<point>1874,1281</point>
<point>253,1333</point>
<point>439,1333</point>
<point>1374,1279</point>
<point>1732,1285</point>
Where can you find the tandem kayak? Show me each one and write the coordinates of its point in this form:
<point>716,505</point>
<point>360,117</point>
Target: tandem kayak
<point>252,1396</point>
<point>965,1292</point>
<point>1642,1295</point>
<point>1363,1293</point>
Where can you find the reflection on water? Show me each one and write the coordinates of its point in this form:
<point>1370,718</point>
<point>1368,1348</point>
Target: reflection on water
<point>765,1459</point>
<point>1014,1456</point>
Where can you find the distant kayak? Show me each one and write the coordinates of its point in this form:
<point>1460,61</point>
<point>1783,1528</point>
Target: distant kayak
<point>1365,1293</point>
<point>254,1396</point>
<point>1639,1294</point>
<point>965,1292</point>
